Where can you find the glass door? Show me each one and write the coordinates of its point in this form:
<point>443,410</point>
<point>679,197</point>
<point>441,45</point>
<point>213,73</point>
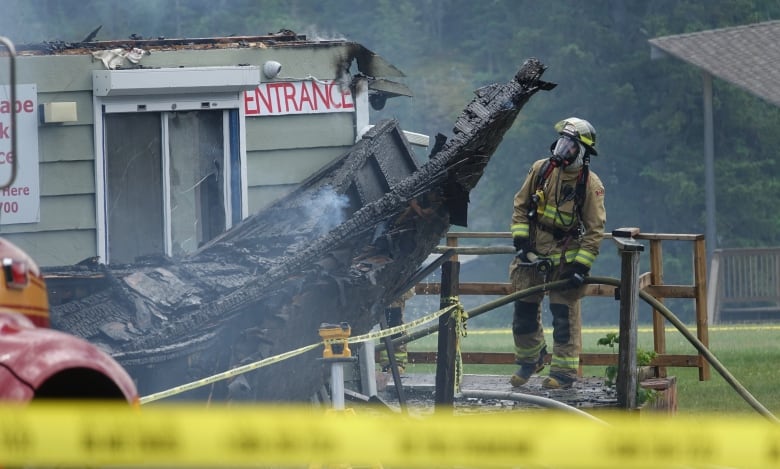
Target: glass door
<point>166,186</point>
<point>134,188</point>
<point>197,178</point>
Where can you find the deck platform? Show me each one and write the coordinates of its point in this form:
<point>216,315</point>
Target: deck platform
<point>419,389</point>
<point>587,392</point>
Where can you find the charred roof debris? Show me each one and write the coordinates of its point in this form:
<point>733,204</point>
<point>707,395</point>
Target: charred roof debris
<point>284,37</point>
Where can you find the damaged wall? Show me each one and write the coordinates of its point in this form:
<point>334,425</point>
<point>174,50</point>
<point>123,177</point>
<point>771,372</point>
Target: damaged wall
<point>273,153</point>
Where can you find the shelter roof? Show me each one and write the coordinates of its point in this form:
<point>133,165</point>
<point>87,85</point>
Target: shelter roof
<point>746,56</point>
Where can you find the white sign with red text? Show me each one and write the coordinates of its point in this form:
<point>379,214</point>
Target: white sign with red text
<point>298,97</point>
<point>20,202</point>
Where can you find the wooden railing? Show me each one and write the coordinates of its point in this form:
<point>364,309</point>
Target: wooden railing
<point>744,285</point>
<point>651,282</point>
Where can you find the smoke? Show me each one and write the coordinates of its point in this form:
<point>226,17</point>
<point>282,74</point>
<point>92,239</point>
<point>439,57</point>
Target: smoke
<point>327,209</point>
<point>313,34</point>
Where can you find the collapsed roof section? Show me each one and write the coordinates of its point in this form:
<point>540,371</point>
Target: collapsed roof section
<point>348,242</point>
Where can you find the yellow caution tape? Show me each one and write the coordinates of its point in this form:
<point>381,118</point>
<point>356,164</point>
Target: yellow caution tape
<point>284,356</point>
<point>226,374</point>
<point>459,315</point>
<point>398,329</point>
<point>79,434</point>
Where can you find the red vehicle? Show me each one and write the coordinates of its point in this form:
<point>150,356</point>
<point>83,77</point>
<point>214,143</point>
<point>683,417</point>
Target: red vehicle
<point>37,362</point>
<point>40,363</point>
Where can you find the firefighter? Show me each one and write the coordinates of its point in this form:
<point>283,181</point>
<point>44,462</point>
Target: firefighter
<point>557,227</point>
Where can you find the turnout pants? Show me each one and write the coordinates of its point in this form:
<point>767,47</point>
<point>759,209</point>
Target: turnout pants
<point>527,328</point>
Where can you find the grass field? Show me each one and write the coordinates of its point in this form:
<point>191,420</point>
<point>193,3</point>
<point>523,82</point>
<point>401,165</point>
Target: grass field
<point>750,352</point>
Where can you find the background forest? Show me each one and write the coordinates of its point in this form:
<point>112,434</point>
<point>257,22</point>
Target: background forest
<point>647,113</point>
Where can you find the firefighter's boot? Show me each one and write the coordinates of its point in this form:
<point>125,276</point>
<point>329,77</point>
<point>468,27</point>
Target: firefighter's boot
<point>558,381</point>
<point>523,374</point>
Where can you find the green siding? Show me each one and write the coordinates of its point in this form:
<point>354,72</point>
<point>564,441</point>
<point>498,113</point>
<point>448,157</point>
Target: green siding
<point>67,178</point>
<point>297,62</point>
<point>65,143</point>
<point>284,150</point>
<point>57,247</point>
<point>261,197</point>
<point>300,131</point>
<point>56,73</point>
<point>275,167</point>
<point>68,212</point>
<point>63,212</point>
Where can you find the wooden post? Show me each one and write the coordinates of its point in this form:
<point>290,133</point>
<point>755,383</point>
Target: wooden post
<point>626,384</point>
<point>447,345</point>
<point>390,350</point>
<point>452,242</point>
<point>659,323</point>
<point>700,285</point>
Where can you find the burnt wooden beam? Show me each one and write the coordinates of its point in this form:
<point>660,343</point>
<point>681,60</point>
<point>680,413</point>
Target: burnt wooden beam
<point>448,337</point>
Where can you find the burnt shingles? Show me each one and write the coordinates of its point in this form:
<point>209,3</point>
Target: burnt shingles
<point>88,45</point>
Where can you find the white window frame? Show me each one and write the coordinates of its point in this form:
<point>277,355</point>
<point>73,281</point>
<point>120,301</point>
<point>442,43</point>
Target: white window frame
<point>128,103</point>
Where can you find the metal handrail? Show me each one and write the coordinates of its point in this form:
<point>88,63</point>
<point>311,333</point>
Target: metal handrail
<point>12,77</point>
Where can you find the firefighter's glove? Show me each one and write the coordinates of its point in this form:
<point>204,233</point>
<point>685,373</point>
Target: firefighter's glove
<point>523,247</point>
<point>521,243</point>
<point>575,273</point>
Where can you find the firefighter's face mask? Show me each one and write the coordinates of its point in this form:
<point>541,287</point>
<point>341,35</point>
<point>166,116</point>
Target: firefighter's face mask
<point>566,149</point>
